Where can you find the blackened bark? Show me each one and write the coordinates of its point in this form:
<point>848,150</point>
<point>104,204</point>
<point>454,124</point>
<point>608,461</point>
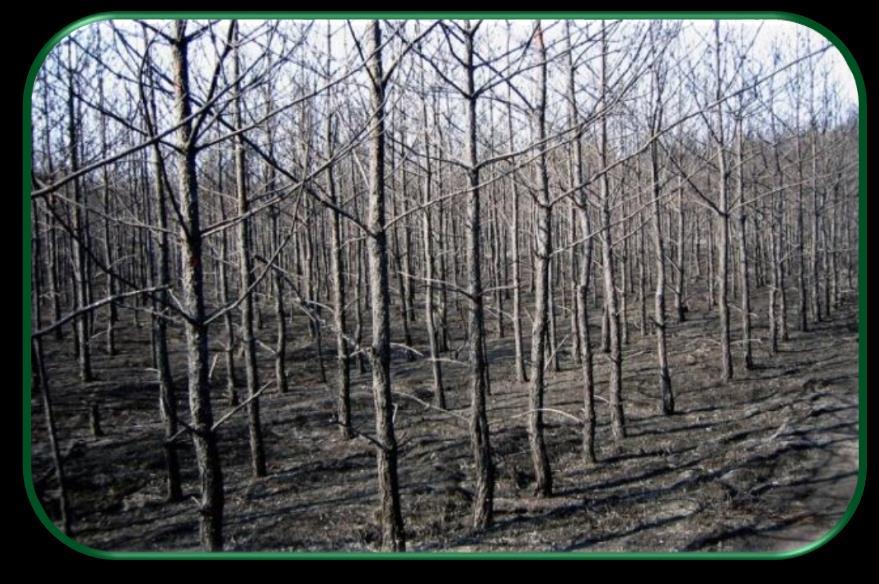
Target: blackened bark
<point>393,537</point>
<point>204,437</point>
<point>542,251</point>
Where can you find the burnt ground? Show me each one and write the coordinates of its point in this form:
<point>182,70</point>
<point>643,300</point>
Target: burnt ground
<point>767,462</point>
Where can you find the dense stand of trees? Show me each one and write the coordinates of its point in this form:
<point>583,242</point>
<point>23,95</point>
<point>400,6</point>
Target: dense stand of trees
<point>385,178</point>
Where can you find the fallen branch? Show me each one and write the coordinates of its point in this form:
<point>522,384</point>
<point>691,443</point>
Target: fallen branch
<point>431,406</point>
<point>267,348</point>
<point>407,348</point>
<point>550,410</point>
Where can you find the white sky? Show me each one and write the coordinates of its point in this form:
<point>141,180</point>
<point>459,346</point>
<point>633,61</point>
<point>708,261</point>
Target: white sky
<point>694,33</point>
<point>695,40</point>
<point>766,33</point>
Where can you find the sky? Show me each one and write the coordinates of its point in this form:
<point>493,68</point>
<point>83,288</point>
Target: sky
<point>765,34</point>
<point>696,38</point>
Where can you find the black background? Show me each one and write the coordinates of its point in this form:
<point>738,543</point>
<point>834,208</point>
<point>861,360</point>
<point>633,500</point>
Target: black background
<point>33,23</point>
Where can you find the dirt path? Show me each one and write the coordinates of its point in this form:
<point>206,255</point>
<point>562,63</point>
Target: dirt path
<point>767,462</point>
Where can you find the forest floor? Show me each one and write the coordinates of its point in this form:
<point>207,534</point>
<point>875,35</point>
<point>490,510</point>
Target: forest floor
<point>766,462</point>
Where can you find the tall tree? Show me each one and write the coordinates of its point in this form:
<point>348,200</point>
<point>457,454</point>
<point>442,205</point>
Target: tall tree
<point>612,315</point>
<point>542,256</point>
<point>393,537</point>
<point>657,90</point>
<point>202,420</point>
<point>245,271</point>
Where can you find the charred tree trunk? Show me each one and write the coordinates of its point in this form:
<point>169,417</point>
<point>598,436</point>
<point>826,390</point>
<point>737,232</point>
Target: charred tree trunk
<point>726,373</point>
<point>80,271</point>
<point>245,269</point>
<point>112,315</point>
<point>744,276</point>
<point>612,315</point>
<point>202,420</point>
<point>343,377</point>
<point>393,538</point>
<point>439,394</point>
<point>542,251</point>
<point>521,376</point>
<point>665,388</point>
<point>480,444</point>
<point>583,274</point>
<point>167,390</point>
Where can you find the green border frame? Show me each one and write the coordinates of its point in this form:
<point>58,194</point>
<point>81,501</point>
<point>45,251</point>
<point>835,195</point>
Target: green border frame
<point>512,15</point>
